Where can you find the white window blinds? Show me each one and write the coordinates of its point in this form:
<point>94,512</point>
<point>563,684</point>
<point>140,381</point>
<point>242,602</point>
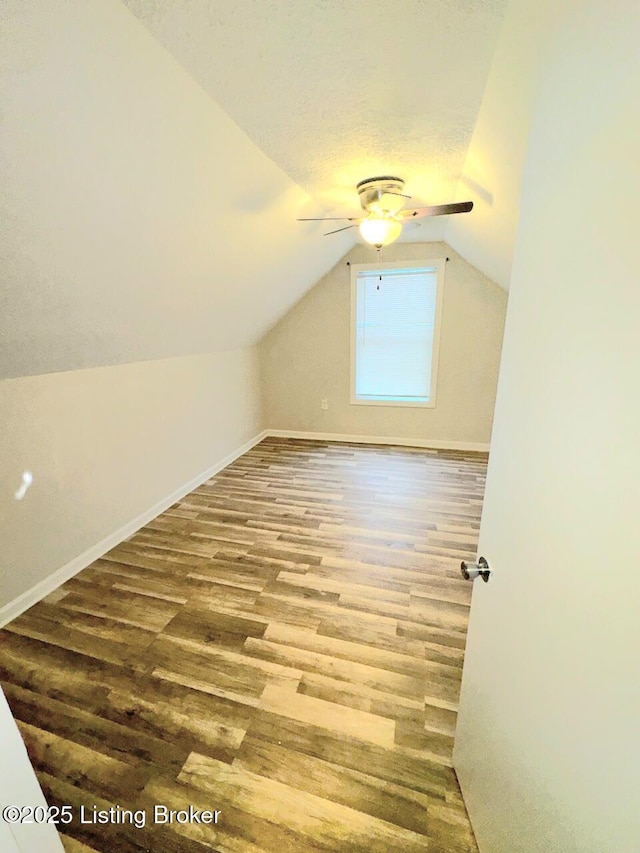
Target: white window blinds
<point>394,334</point>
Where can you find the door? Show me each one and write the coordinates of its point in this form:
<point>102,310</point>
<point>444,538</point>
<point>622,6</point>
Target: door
<point>548,742</point>
<point>19,789</point>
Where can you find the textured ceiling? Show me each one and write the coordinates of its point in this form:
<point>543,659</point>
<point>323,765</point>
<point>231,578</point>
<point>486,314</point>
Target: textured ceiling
<point>334,91</point>
<point>153,164</point>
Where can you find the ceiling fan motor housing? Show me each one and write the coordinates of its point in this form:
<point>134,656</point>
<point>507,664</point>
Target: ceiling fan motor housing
<point>381,195</point>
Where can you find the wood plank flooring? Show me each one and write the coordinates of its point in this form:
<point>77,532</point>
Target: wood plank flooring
<point>284,645</point>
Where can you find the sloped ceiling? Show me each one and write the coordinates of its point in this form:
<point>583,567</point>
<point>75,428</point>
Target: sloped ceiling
<point>137,220</point>
<point>492,172</point>
<point>153,164</point>
<point>335,91</point>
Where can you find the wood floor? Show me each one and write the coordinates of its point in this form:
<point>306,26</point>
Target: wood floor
<point>284,645</point>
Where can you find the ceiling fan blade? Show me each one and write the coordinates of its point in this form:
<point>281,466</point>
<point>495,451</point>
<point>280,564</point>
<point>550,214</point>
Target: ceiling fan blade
<point>346,228</point>
<point>328,218</point>
<point>439,209</point>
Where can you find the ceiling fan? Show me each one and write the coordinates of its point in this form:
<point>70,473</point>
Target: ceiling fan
<point>383,201</point>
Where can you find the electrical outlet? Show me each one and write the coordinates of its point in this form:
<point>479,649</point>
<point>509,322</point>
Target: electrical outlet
<point>324,404</point>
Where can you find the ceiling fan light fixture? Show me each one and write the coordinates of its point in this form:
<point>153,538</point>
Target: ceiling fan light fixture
<point>380,230</point>
<point>382,199</point>
<point>390,203</point>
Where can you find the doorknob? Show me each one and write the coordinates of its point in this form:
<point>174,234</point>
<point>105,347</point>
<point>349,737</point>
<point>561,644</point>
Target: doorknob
<point>470,571</point>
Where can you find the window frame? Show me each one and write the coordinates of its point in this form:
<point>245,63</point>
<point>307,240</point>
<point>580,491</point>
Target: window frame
<point>437,265</point>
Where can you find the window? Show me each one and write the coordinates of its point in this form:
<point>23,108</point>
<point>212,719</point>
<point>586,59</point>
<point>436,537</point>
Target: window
<point>395,326</point>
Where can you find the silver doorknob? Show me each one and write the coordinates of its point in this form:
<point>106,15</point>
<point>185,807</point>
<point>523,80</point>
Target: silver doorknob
<point>471,571</point>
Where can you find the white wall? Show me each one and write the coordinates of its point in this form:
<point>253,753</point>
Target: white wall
<point>306,357</point>
<point>107,444</point>
<point>548,741</point>
<point>137,220</point>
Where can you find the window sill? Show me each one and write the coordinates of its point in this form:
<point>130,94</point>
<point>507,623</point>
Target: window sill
<point>411,404</point>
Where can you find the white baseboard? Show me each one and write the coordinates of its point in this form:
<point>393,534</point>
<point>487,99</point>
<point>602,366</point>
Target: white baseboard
<point>64,573</point>
<point>23,602</point>
<point>433,444</point>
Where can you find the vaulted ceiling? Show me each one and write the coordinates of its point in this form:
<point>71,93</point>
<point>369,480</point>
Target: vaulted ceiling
<point>335,91</point>
<point>155,155</point>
